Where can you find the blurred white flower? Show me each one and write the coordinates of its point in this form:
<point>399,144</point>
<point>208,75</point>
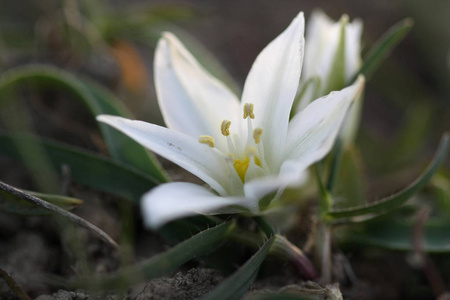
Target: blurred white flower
<point>332,58</point>
<point>243,150</point>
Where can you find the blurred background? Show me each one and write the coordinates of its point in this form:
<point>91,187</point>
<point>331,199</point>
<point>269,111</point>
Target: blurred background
<point>406,103</point>
<point>406,107</point>
<point>113,42</point>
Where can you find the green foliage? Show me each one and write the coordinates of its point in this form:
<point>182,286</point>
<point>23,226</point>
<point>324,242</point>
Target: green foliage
<point>396,232</point>
<point>238,283</point>
<point>20,195</point>
<point>98,100</point>
<point>398,199</point>
<point>383,47</point>
<point>163,263</point>
<point>86,168</point>
<point>12,204</point>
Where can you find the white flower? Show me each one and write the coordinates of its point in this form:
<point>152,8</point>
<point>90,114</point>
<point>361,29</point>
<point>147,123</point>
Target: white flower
<point>332,56</point>
<point>242,150</point>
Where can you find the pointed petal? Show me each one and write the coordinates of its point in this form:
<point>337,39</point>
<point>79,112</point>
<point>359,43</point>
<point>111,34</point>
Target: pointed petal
<point>312,131</point>
<point>191,100</point>
<point>291,174</point>
<point>321,42</point>
<point>353,48</point>
<point>175,200</point>
<point>272,84</point>
<point>199,159</point>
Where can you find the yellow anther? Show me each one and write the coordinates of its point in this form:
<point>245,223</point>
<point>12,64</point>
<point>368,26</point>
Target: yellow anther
<point>257,133</point>
<point>241,165</point>
<point>225,127</point>
<point>250,151</point>
<point>248,111</point>
<point>206,139</point>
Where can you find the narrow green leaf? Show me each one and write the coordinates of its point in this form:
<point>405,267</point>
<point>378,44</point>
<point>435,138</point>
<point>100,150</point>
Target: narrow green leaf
<point>383,47</point>
<point>59,211</point>
<point>98,100</point>
<point>397,234</point>
<point>350,188</point>
<point>163,263</point>
<point>12,204</point>
<point>397,200</point>
<point>238,283</point>
<point>325,200</point>
<point>86,168</point>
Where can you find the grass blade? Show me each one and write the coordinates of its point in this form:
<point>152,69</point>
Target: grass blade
<point>397,200</point>
<point>398,235</point>
<point>98,100</point>
<point>238,283</point>
<point>383,47</point>
<point>55,209</point>
<point>161,264</point>
<point>86,168</point>
<point>13,285</point>
<point>12,204</point>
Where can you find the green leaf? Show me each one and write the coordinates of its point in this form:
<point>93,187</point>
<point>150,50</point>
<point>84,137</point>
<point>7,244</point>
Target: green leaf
<point>399,199</point>
<point>86,168</point>
<point>5,188</point>
<point>383,47</point>
<point>238,283</point>
<point>395,234</point>
<point>349,189</point>
<point>12,204</point>
<point>163,263</point>
<point>98,100</point>
<point>325,200</point>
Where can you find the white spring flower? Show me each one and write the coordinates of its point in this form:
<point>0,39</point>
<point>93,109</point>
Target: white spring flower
<point>243,150</point>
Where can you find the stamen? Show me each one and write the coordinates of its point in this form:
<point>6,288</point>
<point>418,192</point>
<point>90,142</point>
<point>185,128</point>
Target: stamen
<point>250,151</point>
<point>248,111</point>
<point>257,133</point>
<point>225,127</point>
<point>206,139</point>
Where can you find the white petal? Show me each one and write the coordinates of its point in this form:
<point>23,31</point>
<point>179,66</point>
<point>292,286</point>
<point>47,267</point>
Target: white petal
<point>322,41</point>
<point>319,40</point>
<point>353,33</point>
<point>312,131</point>
<point>191,100</point>
<point>272,84</point>
<point>185,151</point>
<point>292,174</point>
<point>171,201</point>
<point>322,38</point>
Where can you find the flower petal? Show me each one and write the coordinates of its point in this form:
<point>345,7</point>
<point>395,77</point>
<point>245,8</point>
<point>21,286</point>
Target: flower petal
<point>292,174</point>
<point>175,200</point>
<point>322,39</point>
<point>353,33</point>
<point>313,130</point>
<point>272,84</point>
<point>191,100</point>
<point>199,159</point>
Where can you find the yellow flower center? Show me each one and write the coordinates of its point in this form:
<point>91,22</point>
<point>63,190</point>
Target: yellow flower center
<point>251,153</point>
<point>241,166</point>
